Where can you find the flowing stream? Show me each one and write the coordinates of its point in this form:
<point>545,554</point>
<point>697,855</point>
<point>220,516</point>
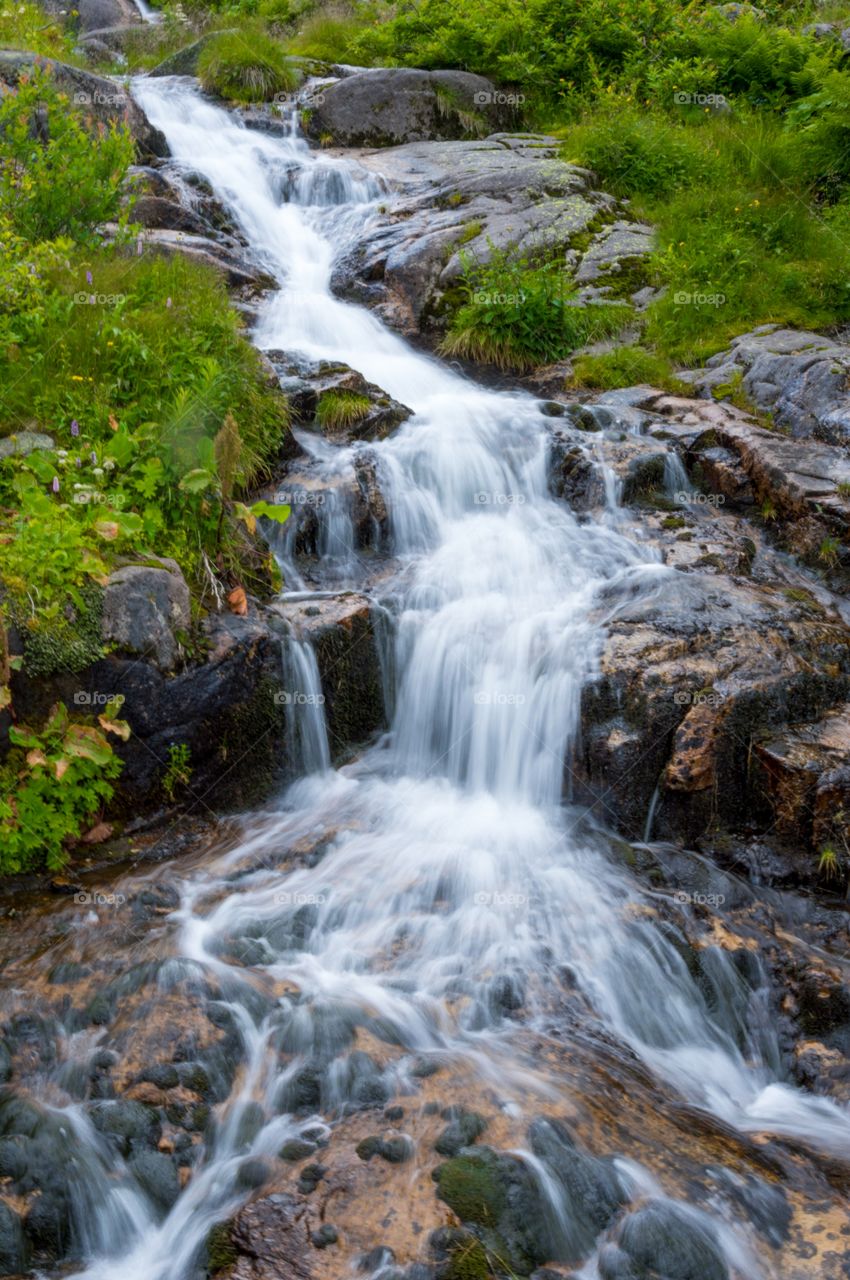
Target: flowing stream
<point>454,889</point>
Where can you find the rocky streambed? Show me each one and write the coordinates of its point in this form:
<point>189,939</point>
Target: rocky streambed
<point>549,972</point>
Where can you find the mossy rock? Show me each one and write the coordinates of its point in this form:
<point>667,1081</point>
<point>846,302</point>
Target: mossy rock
<point>67,643</point>
<point>221,1252</point>
<point>497,1196</point>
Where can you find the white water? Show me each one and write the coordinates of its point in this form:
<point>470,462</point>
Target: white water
<point>454,884</point>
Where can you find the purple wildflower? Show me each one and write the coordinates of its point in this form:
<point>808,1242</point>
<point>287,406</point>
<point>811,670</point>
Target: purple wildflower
<point>55,484</point>
<point>75,427</point>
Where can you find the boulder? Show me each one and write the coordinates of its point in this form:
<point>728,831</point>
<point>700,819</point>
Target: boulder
<point>457,199</point>
<point>155,212</point>
<point>386,106</point>
<point>800,379</point>
<point>145,608</point>
<point>95,15</point>
<point>335,401</point>
<point>664,1239</point>
<point>184,62</point>
<point>14,1250</point>
<point>266,1241</point>
<point>237,270</point>
<point>104,101</point>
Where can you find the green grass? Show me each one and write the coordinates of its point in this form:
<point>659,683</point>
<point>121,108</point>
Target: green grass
<point>246,66</point>
<point>339,409</point>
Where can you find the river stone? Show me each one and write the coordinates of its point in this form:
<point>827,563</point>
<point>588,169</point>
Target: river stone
<point>592,1193</point>
<point>129,1125</point>
<point>106,101</point>
<point>157,1175</point>
<point>461,1131</point>
<point>799,378</point>
<point>144,609</point>
<point>386,106</point>
<point>14,1252</point>
<point>666,1240</point>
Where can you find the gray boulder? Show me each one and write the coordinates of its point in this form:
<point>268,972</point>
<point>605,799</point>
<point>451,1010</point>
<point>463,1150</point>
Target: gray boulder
<point>105,101</point>
<point>95,15</point>
<point>25,442</point>
<point>143,609</point>
<point>799,378</point>
<point>387,106</point>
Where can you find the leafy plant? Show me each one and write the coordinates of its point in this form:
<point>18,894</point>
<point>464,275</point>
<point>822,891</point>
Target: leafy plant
<point>178,773</point>
<point>53,180</point>
<point>55,781</point>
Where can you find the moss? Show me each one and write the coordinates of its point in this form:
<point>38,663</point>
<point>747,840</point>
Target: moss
<point>258,720</point>
<point>221,1252</point>
<point>673,522</point>
<point>67,643</point>
<point>467,1261</point>
<point>471,1188</point>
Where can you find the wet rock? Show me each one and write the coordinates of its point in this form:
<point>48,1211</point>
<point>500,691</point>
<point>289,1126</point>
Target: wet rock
<point>496,1195</point>
<point>14,1253</point>
<point>296,1149</point>
<point>144,611</point>
<point>128,1125</point>
<point>252,1174</point>
<point>156,212</point>
<point>325,1236</point>
<point>13,1158</point>
<point>387,106</point>
<point>48,1224</point>
<point>665,1239</point>
<point>239,272</point>
<point>157,1175</point>
<point>463,1129</point>
<point>5,1062</point>
<point>310,1177</point>
<point>337,402</point>
<point>18,1117</point>
<point>765,1204</point>
<point>799,378</point>
<point>106,101</point>
<point>268,1238</point>
<point>506,191</point>
<point>395,1149</point>
<point>592,1192</point>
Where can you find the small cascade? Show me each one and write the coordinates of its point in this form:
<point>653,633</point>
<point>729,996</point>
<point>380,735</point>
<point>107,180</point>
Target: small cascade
<point>304,704</point>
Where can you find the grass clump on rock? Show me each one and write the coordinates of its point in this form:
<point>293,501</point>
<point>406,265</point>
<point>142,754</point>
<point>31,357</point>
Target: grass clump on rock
<point>338,409</point>
<point>246,66</point>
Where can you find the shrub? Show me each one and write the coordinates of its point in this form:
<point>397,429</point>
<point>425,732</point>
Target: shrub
<point>331,37</point>
<point>59,183</point>
<point>246,66</point>
<point>518,315</point>
<point>638,153</point>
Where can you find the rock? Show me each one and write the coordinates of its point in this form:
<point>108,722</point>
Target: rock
<point>95,15</point>
<point>237,270</point>
<point>296,1149</point>
<point>617,250</point>
<point>506,191</point>
<point>145,610</point>
<point>184,62</point>
<point>268,1238</point>
<point>24,443</point>
<point>463,1129</point>
<point>496,1195</point>
<point>395,1149</point>
<point>156,212</point>
<point>325,1236</point>
<point>106,101</point>
<point>385,106</point>
<point>129,1125</point>
<point>799,378</point>
<point>13,1158</point>
<point>592,1192</point>
<point>157,1175</point>
<point>113,39</point>
<point>666,1239</point>
<point>14,1253</point>
<point>337,402</point>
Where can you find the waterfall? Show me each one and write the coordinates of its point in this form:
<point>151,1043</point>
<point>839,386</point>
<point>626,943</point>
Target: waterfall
<point>452,886</point>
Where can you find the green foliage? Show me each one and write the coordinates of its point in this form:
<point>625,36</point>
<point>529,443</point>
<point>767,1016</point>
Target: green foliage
<point>28,26</point>
<point>517,314</point>
<point>54,782</point>
<point>246,66</point>
<point>626,366</point>
<point>178,773</point>
<point>53,180</point>
<point>471,1188</point>
<point>330,37</point>
<point>337,409</point>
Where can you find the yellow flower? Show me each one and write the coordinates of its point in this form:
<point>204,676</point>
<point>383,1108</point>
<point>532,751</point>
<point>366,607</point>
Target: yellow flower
<point>75,377</point>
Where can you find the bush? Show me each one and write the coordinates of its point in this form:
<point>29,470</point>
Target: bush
<point>246,66</point>
<point>518,315</point>
<point>638,153</point>
<point>60,183</point>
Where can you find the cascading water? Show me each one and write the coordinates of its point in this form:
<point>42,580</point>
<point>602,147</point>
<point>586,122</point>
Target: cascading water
<point>452,887</point>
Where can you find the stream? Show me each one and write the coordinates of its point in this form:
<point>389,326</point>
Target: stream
<point>449,907</point>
